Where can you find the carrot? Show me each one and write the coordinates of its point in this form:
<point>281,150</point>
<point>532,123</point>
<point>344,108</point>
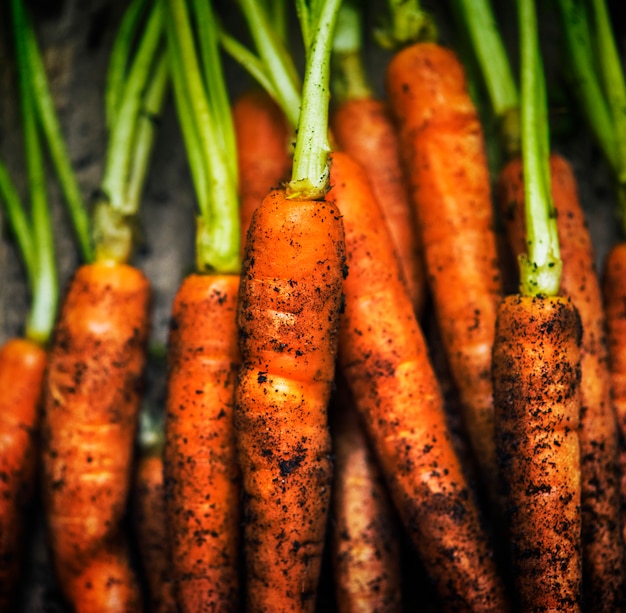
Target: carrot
<point>443,149</point>
<point>150,529</point>
<point>201,472</point>
<point>603,547</point>
<point>22,365</point>
<point>262,150</point>
<point>536,370</point>
<point>93,383</point>
<point>365,536</point>
<point>383,355</point>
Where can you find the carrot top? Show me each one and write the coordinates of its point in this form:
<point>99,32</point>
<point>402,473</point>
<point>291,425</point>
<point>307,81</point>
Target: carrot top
<point>204,114</point>
<point>407,23</point>
<point>540,268</point>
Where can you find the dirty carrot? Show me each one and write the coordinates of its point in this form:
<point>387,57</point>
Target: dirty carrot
<point>365,535</point>
<point>443,149</point>
<point>362,126</point>
<point>383,355</point>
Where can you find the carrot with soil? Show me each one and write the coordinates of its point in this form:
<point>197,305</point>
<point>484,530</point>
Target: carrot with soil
<point>97,360</point>
<point>288,314</point>
<point>443,149</point>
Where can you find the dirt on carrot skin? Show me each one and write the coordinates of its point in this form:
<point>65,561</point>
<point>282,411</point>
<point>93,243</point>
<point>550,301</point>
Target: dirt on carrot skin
<point>202,481</point>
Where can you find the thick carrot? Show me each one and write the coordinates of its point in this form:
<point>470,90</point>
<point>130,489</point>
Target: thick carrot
<point>263,150</point>
<point>365,537</point>
<point>22,365</point>
<point>90,415</point>
<point>603,546</point>
<point>201,472</point>
<point>383,355</point>
<point>444,153</point>
<point>150,530</point>
<point>288,317</point>
<point>363,128</point>
<point>536,372</point>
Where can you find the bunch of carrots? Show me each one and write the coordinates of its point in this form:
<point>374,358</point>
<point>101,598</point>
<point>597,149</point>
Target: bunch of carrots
<point>364,408</point>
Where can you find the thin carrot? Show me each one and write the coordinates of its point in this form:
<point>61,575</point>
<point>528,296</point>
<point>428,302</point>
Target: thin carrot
<point>262,150</point>
<point>363,127</point>
<point>443,149</point>
<point>603,546</point>
<point>384,357</point>
<point>22,365</point>
<point>365,535</point>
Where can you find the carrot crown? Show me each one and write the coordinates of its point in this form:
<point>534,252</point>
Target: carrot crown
<point>408,23</point>
<point>540,269</point>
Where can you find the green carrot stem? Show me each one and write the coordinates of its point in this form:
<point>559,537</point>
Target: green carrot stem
<point>408,23</point>
<point>310,174</point>
<point>19,223</point>
<point>58,152</point>
<point>540,269</point>
<point>277,60</point>
<point>118,62</point>
<point>348,75</point>
<point>45,289</point>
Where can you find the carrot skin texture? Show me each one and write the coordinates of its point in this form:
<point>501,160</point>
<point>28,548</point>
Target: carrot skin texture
<point>22,366</point>
<point>383,355</point>
<point>289,305</point>
<point>91,402</point>
<point>201,472</point>
<point>263,156</point>
<point>366,547</point>
<point>536,371</point>
<point>603,545</point>
<point>150,529</point>
<point>363,128</point>
<point>444,153</point>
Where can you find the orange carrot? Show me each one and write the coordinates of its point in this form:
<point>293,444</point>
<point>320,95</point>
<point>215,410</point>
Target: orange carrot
<point>150,530</point>
<point>201,473</point>
<point>89,422</point>
<point>288,317</point>
<point>22,365</point>
<point>262,150</point>
<point>536,364</point>
<point>603,546</point>
<point>444,153</point>
<point>384,357</point>
<point>365,537</point>
<point>363,128</point>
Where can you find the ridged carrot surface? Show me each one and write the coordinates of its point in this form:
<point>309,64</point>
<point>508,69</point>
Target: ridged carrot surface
<point>444,153</point>
<point>603,546</point>
<point>384,358</point>
<point>22,365</point>
<point>91,402</point>
<point>364,129</point>
<point>289,305</point>
<point>536,372</point>
<point>201,473</point>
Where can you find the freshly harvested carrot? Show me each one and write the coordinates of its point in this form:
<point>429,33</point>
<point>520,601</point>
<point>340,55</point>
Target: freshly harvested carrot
<point>22,365</point>
<point>201,471</point>
<point>443,150</point>
<point>536,371</point>
<point>365,536</point>
<point>150,529</point>
<point>603,545</point>
<point>383,355</point>
<point>91,403</point>
<point>262,150</point>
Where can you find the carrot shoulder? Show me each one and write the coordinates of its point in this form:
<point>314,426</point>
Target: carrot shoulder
<point>22,365</point>
<point>383,355</point>
<point>201,472</point>
<point>603,547</point>
<point>91,403</point>
<point>288,315</point>
<point>536,374</point>
<point>444,152</point>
